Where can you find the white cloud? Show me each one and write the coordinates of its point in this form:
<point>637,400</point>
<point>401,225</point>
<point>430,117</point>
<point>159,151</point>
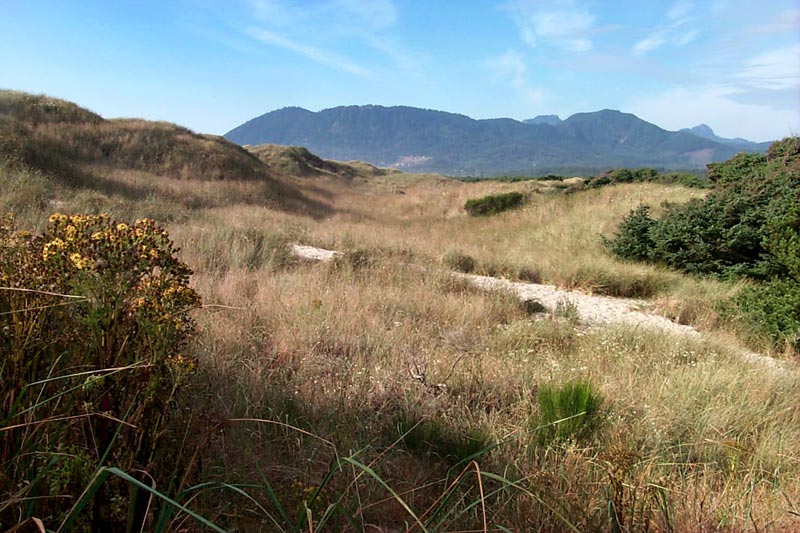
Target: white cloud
<point>774,70</point>
<point>785,21</point>
<point>511,66</point>
<point>649,43</point>
<point>323,57</point>
<point>716,106</point>
<point>563,23</point>
<point>680,10</point>
<point>336,22</point>
<point>676,32</point>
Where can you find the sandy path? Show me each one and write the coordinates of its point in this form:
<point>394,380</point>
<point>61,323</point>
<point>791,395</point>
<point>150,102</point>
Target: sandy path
<point>590,309</point>
<point>593,310</point>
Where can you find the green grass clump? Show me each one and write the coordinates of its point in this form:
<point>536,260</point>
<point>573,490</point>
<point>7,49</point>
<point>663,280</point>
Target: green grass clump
<point>571,411</point>
<point>494,203</point>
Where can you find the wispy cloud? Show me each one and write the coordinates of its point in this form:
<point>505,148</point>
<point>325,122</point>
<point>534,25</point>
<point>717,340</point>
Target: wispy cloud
<point>777,69</point>
<point>715,104</point>
<point>563,23</point>
<point>651,42</point>
<point>511,67</point>
<point>335,23</point>
<point>787,20</point>
<point>680,10</point>
<point>323,57</point>
<point>677,31</point>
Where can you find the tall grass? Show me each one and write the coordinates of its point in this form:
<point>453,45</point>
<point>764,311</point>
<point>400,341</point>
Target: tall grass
<point>371,394</point>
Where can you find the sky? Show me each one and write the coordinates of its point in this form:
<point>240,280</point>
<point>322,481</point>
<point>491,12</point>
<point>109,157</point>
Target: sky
<point>211,65</point>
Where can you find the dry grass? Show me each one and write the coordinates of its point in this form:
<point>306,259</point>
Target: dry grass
<point>329,360</point>
<point>339,352</point>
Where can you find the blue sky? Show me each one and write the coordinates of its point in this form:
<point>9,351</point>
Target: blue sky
<point>212,64</point>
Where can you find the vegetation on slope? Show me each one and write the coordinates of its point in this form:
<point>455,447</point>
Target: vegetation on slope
<point>371,394</point>
<point>494,203</point>
<point>748,226</point>
<point>94,324</point>
<point>298,161</point>
<point>56,142</point>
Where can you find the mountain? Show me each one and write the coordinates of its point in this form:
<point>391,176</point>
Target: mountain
<point>552,120</point>
<point>704,131</point>
<point>435,141</point>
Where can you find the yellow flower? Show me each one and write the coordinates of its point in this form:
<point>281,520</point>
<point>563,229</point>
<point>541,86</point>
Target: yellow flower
<point>123,227</point>
<point>181,361</point>
<point>98,235</point>
<point>71,232</point>
<point>78,261</point>
<point>57,218</point>
<point>52,248</point>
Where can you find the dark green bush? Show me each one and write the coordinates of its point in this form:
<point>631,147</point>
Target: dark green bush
<point>748,226</point>
<point>642,175</point>
<point>634,239</point>
<point>771,312</point>
<point>494,203</point>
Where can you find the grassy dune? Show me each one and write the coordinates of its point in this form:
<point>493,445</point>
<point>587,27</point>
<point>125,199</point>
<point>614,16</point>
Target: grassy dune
<point>370,394</point>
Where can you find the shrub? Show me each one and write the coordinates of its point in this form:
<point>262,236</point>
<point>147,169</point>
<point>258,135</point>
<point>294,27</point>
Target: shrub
<point>634,240</point>
<point>650,175</point>
<point>494,203</point>
<point>771,312</point>
<point>532,306</point>
<point>459,261</point>
<point>571,411</point>
<point>748,226</point>
<point>94,327</point>
<point>568,309</point>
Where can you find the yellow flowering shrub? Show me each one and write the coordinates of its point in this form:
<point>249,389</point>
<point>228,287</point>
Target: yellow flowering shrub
<point>94,331</point>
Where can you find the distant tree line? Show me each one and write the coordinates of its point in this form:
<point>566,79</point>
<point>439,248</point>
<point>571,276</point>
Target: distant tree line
<point>593,179</point>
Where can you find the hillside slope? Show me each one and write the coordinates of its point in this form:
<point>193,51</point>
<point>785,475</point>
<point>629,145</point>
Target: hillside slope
<point>299,162</point>
<point>427,140</point>
<point>72,147</point>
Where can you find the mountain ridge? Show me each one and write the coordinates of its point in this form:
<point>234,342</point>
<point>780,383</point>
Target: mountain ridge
<point>437,141</point>
<point>705,131</point>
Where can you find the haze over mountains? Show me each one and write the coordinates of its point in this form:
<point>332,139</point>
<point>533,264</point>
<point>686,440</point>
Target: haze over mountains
<point>435,141</point>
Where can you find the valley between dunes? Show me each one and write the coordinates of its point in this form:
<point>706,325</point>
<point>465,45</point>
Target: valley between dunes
<point>377,390</point>
<point>588,309</point>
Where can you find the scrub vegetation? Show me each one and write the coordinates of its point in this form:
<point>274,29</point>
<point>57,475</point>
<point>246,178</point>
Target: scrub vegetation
<point>169,365</point>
